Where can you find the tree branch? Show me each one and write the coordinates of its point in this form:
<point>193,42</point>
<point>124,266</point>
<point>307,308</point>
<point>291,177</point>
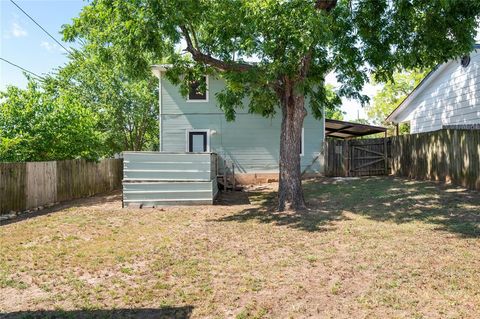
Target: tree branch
<point>325,5</point>
<point>199,56</point>
<point>195,41</point>
<point>305,64</point>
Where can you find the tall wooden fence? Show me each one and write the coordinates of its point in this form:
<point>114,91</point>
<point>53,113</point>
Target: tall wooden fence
<point>29,185</point>
<point>357,157</point>
<point>449,155</point>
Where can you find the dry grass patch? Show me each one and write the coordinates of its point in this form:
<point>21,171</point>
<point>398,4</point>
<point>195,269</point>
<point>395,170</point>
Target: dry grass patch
<point>377,247</point>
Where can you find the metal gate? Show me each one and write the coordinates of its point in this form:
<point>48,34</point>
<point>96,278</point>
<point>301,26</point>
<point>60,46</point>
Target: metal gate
<point>362,157</point>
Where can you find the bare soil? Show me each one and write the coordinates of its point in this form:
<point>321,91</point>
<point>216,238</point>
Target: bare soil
<point>366,248</point>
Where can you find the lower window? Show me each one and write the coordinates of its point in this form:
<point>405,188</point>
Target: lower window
<point>197,141</point>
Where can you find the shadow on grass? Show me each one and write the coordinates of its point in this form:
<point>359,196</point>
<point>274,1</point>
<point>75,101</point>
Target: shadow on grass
<point>314,219</point>
<point>115,196</point>
<point>452,209</point>
<point>168,312</point>
<point>384,199</point>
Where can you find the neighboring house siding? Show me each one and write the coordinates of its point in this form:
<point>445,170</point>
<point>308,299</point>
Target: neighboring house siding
<point>251,141</point>
<point>453,97</point>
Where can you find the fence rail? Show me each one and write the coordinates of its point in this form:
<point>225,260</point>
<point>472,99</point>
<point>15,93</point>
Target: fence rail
<point>30,185</point>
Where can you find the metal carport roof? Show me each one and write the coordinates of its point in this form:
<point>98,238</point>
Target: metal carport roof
<point>343,129</point>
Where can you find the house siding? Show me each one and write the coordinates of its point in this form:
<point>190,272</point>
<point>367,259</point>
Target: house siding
<point>251,141</point>
<point>453,97</point>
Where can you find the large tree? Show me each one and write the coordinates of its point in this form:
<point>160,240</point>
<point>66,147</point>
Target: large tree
<point>295,44</point>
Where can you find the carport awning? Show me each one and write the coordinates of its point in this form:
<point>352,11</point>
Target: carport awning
<point>342,129</point>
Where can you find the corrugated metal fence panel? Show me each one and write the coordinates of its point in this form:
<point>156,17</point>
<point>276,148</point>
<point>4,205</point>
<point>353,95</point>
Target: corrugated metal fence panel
<point>169,193</point>
<point>152,178</point>
<point>150,166</point>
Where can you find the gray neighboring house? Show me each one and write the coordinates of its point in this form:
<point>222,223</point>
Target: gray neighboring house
<point>251,142</point>
<point>447,96</point>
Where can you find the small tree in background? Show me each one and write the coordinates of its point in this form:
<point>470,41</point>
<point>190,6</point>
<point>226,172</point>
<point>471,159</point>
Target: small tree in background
<point>36,124</point>
<point>127,106</point>
<point>334,111</point>
<point>391,95</point>
<point>85,109</point>
<point>296,43</point>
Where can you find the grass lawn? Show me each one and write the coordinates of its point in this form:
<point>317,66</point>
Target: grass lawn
<point>372,247</point>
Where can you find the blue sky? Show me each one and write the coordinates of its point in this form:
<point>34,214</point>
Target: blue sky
<point>25,44</point>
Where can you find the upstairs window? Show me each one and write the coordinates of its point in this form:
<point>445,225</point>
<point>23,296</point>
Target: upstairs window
<point>195,93</point>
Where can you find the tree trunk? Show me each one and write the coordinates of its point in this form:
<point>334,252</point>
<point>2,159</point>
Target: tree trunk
<point>290,192</point>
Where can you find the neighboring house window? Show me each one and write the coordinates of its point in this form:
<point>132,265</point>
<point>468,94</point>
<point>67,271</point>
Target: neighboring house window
<point>195,93</point>
<point>465,61</point>
<point>198,141</point>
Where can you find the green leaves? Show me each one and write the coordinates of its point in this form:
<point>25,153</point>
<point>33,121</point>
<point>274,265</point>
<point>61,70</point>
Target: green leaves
<point>89,109</point>
<point>355,40</point>
<point>392,94</point>
<point>127,104</point>
<point>38,126</point>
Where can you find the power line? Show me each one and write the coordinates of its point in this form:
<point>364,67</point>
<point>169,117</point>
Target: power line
<point>51,36</point>
<point>23,69</point>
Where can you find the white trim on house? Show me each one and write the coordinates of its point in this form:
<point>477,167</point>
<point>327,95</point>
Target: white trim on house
<point>393,117</point>
<point>157,69</point>
<point>302,150</point>
<point>160,114</point>
<point>207,80</point>
<point>396,116</point>
<point>187,139</point>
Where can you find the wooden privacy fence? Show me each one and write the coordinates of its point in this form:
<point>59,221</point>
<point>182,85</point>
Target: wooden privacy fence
<point>29,185</point>
<point>357,157</point>
<point>449,155</point>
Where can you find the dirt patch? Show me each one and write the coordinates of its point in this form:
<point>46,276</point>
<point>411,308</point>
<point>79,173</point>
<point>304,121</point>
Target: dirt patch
<point>369,247</point>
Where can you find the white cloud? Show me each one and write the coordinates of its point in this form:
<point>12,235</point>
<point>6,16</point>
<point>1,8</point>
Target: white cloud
<point>49,46</point>
<point>17,30</point>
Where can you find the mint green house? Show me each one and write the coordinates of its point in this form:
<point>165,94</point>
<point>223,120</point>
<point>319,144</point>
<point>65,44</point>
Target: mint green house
<point>197,144</point>
<point>251,143</point>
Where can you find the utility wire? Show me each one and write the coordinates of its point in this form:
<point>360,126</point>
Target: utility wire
<point>23,69</point>
<point>51,36</point>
